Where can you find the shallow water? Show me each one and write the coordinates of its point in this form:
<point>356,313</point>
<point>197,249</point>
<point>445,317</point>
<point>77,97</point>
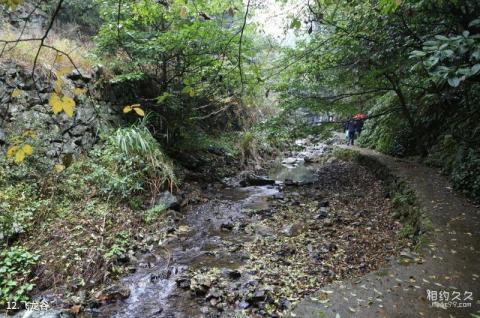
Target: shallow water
<point>204,246</point>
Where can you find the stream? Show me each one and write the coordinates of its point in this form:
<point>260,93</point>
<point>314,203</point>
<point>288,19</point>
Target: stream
<point>209,235</point>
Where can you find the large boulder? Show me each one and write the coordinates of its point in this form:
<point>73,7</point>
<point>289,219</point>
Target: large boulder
<point>167,200</point>
<point>113,293</point>
<point>251,179</point>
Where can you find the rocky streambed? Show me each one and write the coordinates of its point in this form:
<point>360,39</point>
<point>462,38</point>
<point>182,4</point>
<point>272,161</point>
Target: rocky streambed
<point>257,245</point>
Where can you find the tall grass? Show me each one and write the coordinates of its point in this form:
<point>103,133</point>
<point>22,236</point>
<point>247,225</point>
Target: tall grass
<point>24,52</point>
<point>138,141</point>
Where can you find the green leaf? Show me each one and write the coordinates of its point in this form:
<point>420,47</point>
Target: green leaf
<point>162,98</point>
<point>454,81</point>
<point>475,69</point>
<point>296,24</point>
<point>441,37</point>
<point>474,23</point>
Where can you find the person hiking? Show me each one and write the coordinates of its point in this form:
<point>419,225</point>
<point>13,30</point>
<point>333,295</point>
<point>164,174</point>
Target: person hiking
<point>351,128</point>
<point>359,126</point>
<point>345,128</point>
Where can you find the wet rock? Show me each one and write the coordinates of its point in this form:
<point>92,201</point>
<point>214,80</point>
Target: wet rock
<point>324,204</point>
<point>123,258</point>
<point>328,222</point>
<point>3,137</point>
<point>257,297</point>
<point>279,196</point>
<point>213,293</point>
<point>243,305</point>
<point>183,282</point>
<point>44,314</point>
<point>323,213</point>
<point>289,182</point>
<point>255,180</point>
<point>113,293</point>
<point>167,200</point>
<point>293,229</point>
<point>228,226</point>
<point>163,274</point>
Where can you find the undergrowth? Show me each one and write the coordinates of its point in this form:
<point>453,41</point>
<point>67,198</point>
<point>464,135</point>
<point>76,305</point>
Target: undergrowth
<point>24,52</point>
<point>71,228</point>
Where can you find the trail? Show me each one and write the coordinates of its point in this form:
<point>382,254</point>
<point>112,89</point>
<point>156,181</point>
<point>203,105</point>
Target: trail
<point>449,263</point>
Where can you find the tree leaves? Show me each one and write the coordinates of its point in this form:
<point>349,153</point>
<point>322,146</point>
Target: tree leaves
<point>58,168</point>
<point>79,91</point>
<point>11,3</point>
<point>162,98</point>
<point>454,81</point>
<point>295,24</point>
<point>19,152</point>
<point>66,103</point>
<point>57,86</point>
<point>136,108</point>
<point>16,92</point>
<point>188,90</point>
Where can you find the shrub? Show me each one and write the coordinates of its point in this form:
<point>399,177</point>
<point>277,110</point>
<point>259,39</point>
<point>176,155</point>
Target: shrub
<point>129,161</point>
<point>151,214</point>
<point>16,265</point>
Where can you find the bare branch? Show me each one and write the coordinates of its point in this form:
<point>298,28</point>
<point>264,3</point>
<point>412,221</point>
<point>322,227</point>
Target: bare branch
<point>45,35</point>
<point>240,47</point>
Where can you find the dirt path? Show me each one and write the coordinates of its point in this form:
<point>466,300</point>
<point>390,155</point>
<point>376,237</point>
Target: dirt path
<point>448,266</point>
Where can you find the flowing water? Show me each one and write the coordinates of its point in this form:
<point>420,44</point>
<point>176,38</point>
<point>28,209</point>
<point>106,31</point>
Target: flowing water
<point>207,239</point>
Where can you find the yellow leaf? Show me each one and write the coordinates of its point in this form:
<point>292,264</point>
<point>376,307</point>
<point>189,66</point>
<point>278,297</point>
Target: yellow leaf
<point>60,58</point>
<point>57,86</point>
<point>11,151</point>
<point>139,111</point>
<point>127,109</point>
<point>56,103</point>
<point>79,91</point>
<point>64,70</point>
<point>16,92</point>
<point>59,168</point>
<point>68,105</point>
<point>30,133</point>
<point>183,12</point>
<point>27,149</point>
<point>19,156</point>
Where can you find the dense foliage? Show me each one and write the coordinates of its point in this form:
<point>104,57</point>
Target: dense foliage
<point>413,65</point>
<point>181,60</point>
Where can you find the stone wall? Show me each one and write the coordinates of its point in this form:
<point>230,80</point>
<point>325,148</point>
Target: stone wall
<point>57,134</point>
